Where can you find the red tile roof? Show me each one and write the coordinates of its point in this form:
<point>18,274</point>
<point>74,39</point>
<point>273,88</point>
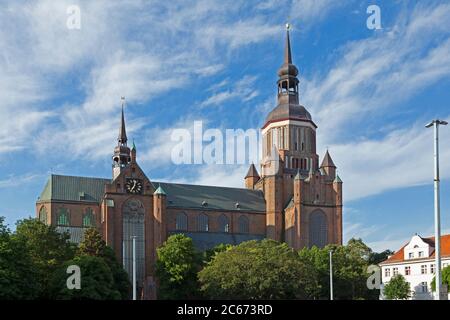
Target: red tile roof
<point>400,257</point>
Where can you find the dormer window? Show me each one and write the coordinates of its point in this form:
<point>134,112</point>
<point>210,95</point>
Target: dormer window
<point>421,254</point>
<point>411,255</point>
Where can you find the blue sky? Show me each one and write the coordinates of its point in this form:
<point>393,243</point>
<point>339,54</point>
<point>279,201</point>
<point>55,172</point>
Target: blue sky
<point>369,91</point>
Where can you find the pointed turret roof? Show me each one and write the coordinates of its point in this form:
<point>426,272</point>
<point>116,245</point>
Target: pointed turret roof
<point>298,176</point>
<point>287,48</point>
<point>252,172</point>
<point>122,132</point>
<point>337,179</point>
<point>327,161</point>
<point>160,191</point>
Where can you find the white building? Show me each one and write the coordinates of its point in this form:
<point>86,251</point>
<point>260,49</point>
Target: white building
<point>415,261</point>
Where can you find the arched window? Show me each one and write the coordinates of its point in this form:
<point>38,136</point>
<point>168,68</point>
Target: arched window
<point>224,223</point>
<point>43,215</point>
<point>202,223</point>
<point>318,229</point>
<point>133,226</point>
<point>181,221</point>
<point>243,224</point>
<point>62,217</point>
<point>88,218</point>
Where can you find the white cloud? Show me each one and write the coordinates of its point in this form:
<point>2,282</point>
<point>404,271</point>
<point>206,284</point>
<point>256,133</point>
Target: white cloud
<point>243,90</point>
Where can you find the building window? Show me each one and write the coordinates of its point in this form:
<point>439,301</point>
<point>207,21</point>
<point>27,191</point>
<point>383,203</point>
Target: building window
<point>202,223</point>
<point>423,269</point>
<point>63,217</point>
<point>224,223</point>
<point>387,272</point>
<point>43,215</point>
<point>318,229</point>
<point>243,224</point>
<point>432,268</point>
<point>407,271</point>
<point>181,221</point>
<point>394,271</point>
<point>88,218</point>
<point>420,254</point>
<point>411,255</point>
<point>133,225</point>
<point>424,287</point>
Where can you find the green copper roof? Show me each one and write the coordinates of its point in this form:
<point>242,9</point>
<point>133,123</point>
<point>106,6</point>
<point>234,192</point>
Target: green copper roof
<point>70,188</point>
<point>160,191</point>
<point>337,179</point>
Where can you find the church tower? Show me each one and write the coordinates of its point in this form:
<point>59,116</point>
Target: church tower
<point>122,153</point>
<point>294,184</point>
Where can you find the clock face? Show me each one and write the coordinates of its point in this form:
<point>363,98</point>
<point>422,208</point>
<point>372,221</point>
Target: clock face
<point>133,186</point>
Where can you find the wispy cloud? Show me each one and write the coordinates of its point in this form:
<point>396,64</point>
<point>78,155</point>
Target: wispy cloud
<point>242,90</point>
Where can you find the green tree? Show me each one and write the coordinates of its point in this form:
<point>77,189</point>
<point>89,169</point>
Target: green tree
<point>176,268</point>
<point>258,270</point>
<point>47,249</point>
<point>397,288</point>
<point>445,275</point>
<point>94,245</point>
<point>97,282</point>
<point>350,275</point>
<point>18,279</point>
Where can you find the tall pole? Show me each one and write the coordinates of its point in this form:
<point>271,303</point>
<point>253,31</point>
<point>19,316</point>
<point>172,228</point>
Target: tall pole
<point>331,274</point>
<point>437,212</point>
<point>437,209</point>
<point>134,267</point>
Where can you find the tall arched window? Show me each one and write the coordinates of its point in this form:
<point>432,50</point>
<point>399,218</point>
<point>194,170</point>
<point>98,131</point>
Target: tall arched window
<point>181,222</point>
<point>43,215</point>
<point>318,229</point>
<point>133,226</point>
<point>88,218</point>
<point>202,223</point>
<point>63,217</point>
<point>224,223</point>
<point>243,224</point>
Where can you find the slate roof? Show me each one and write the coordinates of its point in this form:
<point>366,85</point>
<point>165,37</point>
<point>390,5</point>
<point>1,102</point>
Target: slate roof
<point>70,188</point>
<point>209,197</point>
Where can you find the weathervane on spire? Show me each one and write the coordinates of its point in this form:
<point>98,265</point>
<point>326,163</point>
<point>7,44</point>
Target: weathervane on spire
<point>122,98</point>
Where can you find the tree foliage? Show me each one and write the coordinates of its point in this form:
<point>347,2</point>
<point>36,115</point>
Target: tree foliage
<point>397,289</point>
<point>176,268</point>
<point>257,270</point>
<point>47,250</point>
<point>18,278</point>
<point>93,245</point>
<point>445,275</point>
<point>97,282</point>
<point>350,265</point>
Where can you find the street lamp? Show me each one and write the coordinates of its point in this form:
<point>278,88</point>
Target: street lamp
<point>331,274</point>
<point>437,219</point>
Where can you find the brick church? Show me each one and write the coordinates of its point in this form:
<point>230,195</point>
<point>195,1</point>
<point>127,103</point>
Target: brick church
<point>291,199</point>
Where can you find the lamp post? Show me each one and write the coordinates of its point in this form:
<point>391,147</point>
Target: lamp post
<point>134,267</point>
<point>437,219</point>
<point>331,274</point>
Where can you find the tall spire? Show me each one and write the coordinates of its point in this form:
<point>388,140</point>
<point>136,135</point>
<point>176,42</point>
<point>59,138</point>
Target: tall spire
<point>122,133</point>
<point>287,47</point>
